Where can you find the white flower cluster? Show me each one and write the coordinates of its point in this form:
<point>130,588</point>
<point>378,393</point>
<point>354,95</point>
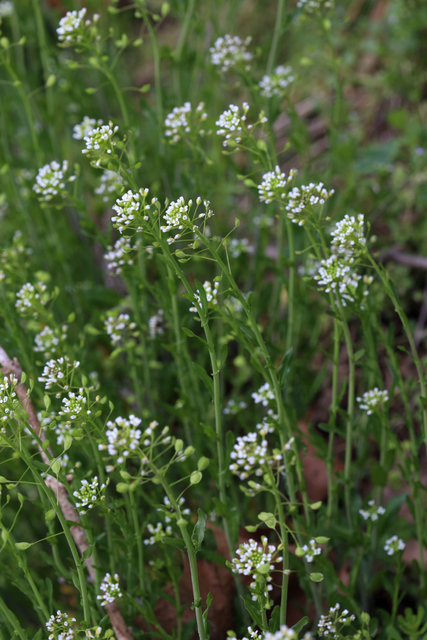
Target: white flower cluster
<point>304,197</point>
<point>252,557</point>
<point>253,635</point>
<point>120,328</point>
<point>51,181</point>
<point>101,139</point>
<point>61,626</point>
<point>123,437</point>
<point>177,216</point>
<point>251,454</point>
<point>29,297</point>
<point>110,589</point>
<point>330,625</point>
<point>89,494</point>
<point>128,207</point>
<point>277,83</point>
<point>155,324</point>
<point>338,277</point>
<point>119,256</point>
<point>13,256</point>
<point>180,502</point>
<point>232,407</point>
<point>286,633</point>
<point>372,400</point>
<point>74,407</point>
<point>394,545</point>
<point>348,237</point>
<point>311,550</point>
<point>372,512</point>
<point>211,295</point>
<point>57,372</point>
<point>311,7</point>
<point>263,395</point>
<point>73,25</point>
<point>6,8</point>
<point>274,185</point>
<point>231,123</point>
<point>111,182</point>
<point>86,127</point>
<point>230,51</point>
<point>182,122</point>
<point>48,340</point>
<point>157,533</point>
<point>8,398</point>
<point>238,246</point>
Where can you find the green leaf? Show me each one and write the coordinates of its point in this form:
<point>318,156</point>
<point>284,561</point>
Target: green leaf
<point>174,542</point>
<point>199,530</point>
<point>56,466</point>
<point>316,505</point>
<point>285,367</point>
<point>253,611</point>
<point>275,619</point>
<point>50,515</point>
<point>191,334</point>
<point>68,441</point>
<point>205,378</point>
<point>268,518</point>
<point>300,624</point>
<point>223,356</point>
<point>47,401</point>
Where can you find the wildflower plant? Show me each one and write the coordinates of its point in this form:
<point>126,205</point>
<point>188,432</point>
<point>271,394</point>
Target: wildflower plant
<point>232,374</point>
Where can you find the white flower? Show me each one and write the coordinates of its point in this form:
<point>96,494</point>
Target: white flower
<point>119,256</point>
<point>250,454</point>
<point>128,208</point>
<point>311,550</point>
<point>157,533</point>
<point>111,182</point>
<point>61,626</point>
<point>86,127</point>
<point>110,589</point>
<point>230,51</point>
<point>348,237</point>
<point>211,294</point>
<point>6,8</point>
<point>311,7</point>
<point>182,121</point>
<point>74,407</point>
<point>372,512</point>
<point>119,328</point>
<point>58,372</point>
<point>101,139</point>
<point>72,26</point>
<point>89,494</point>
<point>123,437</point>
<point>30,299</point>
<point>393,545</point>
<point>48,340</point>
<point>336,276</point>
<point>51,181</point>
<point>330,625</point>
<point>231,122</point>
<point>305,197</point>
<point>263,395</point>
<point>9,401</point>
<point>277,83</point>
<point>372,400</point>
<point>274,185</point>
<point>155,324</point>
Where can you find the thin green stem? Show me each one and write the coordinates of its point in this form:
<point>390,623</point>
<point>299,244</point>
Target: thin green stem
<point>332,421</point>
<point>281,11</point>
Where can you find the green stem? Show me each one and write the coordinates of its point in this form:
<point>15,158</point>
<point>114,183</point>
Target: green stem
<point>281,10</point>
<point>332,422</point>
<point>285,543</point>
<point>138,539</point>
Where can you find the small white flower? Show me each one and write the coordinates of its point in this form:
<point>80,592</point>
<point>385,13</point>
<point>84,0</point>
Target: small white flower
<point>304,198</point>
<point>312,7</point>
<point>372,512</point>
<point>119,256</point>
<point>230,51</point>
<point>101,139</point>
<point>6,8</point>
<point>263,395</point>
<point>155,324</point>
<point>89,494</point>
<point>86,127</point>
<point>311,550</point>
<point>372,400</point>
<point>274,185</point>
<point>277,83</point>
<point>231,123</point>
<point>110,589</point>
<point>393,545</point>
<point>119,328</point>
<point>211,293</point>
<point>51,180</point>
<point>183,121</point>
<point>111,182</point>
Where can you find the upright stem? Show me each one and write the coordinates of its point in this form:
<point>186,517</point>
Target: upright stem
<point>281,10</point>
<point>332,423</point>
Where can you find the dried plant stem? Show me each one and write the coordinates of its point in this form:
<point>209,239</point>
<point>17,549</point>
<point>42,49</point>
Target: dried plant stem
<point>12,367</point>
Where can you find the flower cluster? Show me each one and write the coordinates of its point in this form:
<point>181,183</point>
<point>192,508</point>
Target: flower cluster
<point>73,26</point>
<point>348,237</point>
<point>110,589</point>
<point>251,454</point>
<point>330,625</point>
<point>274,185</point>
<point>155,324</point>
<point>230,51</point>
<point>232,407</point>
<point>8,398</point>
<point>211,294</point>
<point>51,181</point>
<point>180,502</point>
<point>61,626</point>
<point>183,121</point>
<point>101,139</point>
<point>123,437</point>
<point>128,207</point>
<point>263,395</point>
<point>74,407</point>
<point>48,340</point>
<point>231,123</point>
<point>373,400</point>
<point>393,545</point>
<point>119,256</point>
<point>311,7</point>
<point>311,550</point>
<point>157,533</point>
<point>86,127</point>
<point>120,328</point>
<point>58,372</point>
<point>111,182</point>
<point>286,633</point>
<point>6,8</point>
<point>372,512</point>
<point>31,298</point>
<point>238,246</point>
<point>13,257</point>
<point>256,560</point>
<point>338,277</point>
<point>277,83</point>
<point>306,197</point>
<point>178,216</point>
<point>89,494</point>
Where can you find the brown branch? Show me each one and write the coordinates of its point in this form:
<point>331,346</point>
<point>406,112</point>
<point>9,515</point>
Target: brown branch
<point>12,367</point>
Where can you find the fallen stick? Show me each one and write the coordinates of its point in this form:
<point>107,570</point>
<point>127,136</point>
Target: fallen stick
<point>12,367</point>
